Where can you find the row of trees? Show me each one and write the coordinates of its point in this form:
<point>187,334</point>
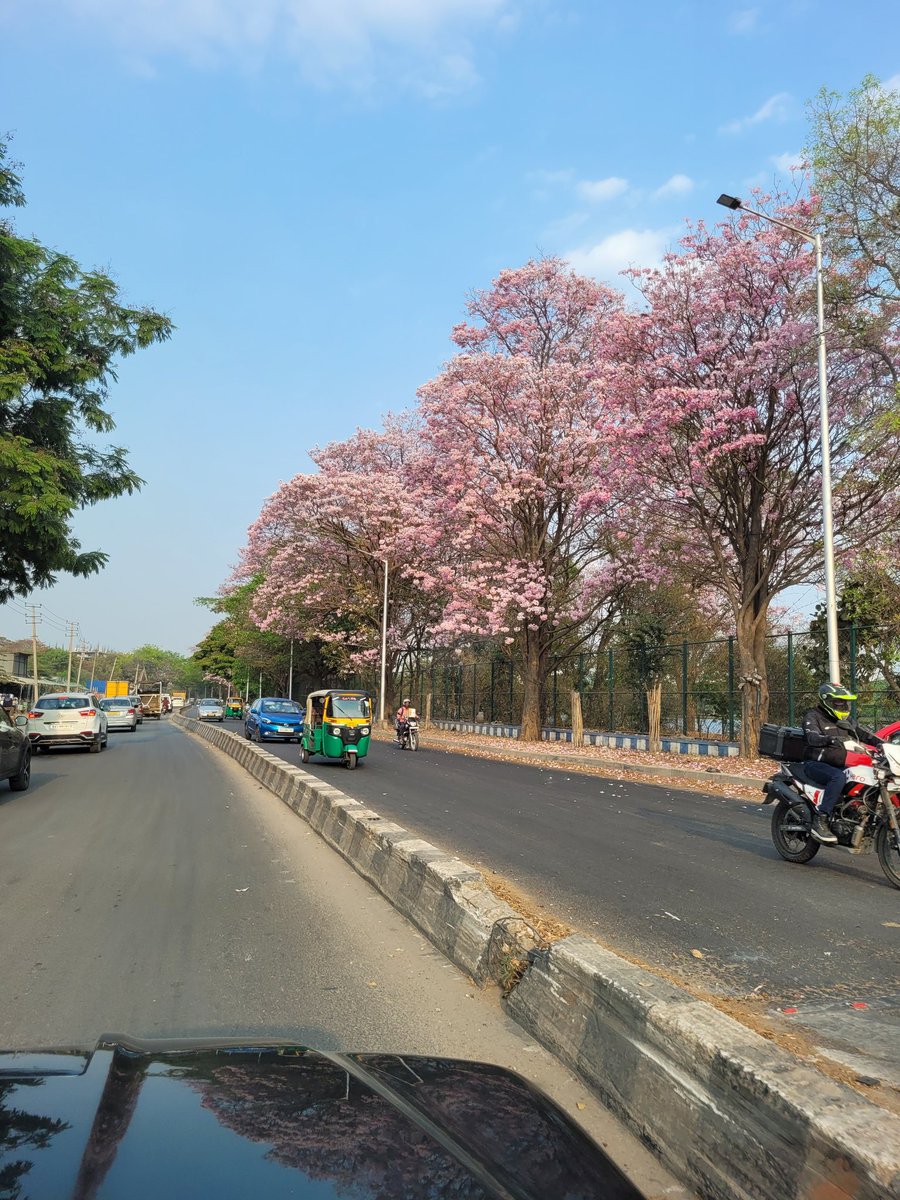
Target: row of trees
<point>146,665</point>
<point>577,458</point>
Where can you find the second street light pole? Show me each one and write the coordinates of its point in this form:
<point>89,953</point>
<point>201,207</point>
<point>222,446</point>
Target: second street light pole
<point>834,655</point>
<point>384,624</point>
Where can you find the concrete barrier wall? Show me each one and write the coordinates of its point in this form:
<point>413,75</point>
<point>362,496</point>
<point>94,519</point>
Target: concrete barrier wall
<point>735,1117</point>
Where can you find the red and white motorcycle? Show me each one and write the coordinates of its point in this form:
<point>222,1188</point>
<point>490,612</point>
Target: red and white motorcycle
<point>865,818</point>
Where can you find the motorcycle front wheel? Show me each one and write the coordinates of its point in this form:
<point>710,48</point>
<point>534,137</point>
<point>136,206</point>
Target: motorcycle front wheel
<point>888,854</point>
<point>413,740</point>
<point>793,844</point>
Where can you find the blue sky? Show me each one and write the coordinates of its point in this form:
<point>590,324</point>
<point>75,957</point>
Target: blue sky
<point>310,188</point>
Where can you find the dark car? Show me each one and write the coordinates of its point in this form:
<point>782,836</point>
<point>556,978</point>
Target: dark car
<point>230,1120</point>
<point>15,751</point>
<point>274,718</point>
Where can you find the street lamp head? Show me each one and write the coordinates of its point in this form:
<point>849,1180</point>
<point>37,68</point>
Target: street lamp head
<point>729,201</point>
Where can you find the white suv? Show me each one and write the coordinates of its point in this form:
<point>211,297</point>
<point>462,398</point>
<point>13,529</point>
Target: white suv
<point>68,719</point>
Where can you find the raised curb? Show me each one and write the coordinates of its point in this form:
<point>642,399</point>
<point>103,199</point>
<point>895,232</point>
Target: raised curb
<point>702,747</point>
<point>734,1116</point>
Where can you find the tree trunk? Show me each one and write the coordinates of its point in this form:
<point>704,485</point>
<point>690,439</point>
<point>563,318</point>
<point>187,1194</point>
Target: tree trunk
<point>654,708</point>
<point>752,679</point>
<point>577,720</point>
<point>534,676</point>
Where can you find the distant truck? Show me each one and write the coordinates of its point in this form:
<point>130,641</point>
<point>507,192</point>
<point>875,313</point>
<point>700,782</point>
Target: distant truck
<point>152,704</point>
<point>178,700</point>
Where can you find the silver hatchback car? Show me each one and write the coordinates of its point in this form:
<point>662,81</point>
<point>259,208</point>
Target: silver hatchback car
<point>210,710</point>
<point>120,713</point>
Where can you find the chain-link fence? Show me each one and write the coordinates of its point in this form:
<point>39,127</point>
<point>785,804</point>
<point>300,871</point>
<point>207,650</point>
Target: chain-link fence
<point>700,692</point>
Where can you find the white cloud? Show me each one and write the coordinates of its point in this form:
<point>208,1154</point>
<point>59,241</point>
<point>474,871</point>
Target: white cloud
<point>597,190</point>
<point>785,163</point>
<point>619,251</point>
<point>745,20</point>
<point>776,108</point>
<point>331,41</point>
<point>678,185</point>
<point>892,84</point>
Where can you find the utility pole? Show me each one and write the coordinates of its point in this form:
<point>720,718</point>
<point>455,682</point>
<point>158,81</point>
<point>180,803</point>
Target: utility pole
<point>94,666</point>
<point>34,667</point>
<point>291,675</point>
<point>73,625</point>
<point>81,662</point>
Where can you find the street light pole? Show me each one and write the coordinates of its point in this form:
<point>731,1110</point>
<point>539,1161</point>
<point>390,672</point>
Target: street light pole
<point>384,624</point>
<point>834,657</point>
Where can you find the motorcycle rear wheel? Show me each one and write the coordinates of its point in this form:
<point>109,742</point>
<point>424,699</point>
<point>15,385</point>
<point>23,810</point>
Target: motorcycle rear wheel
<point>792,846</point>
<point>887,855</point>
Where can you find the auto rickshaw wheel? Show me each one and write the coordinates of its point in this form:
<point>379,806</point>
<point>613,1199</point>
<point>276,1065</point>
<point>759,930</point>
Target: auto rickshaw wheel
<point>304,754</point>
<point>351,760</point>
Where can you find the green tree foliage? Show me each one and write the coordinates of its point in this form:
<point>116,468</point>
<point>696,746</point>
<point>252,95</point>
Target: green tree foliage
<point>62,329</point>
<point>855,154</point>
<point>237,650</point>
<point>870,601</point>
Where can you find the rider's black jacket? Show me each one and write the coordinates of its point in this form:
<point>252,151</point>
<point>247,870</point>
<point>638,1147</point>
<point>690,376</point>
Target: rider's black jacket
<point>825,736</point>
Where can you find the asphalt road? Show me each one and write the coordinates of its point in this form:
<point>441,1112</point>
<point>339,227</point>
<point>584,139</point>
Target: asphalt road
<point>156,890</point>
<point>658,874</point>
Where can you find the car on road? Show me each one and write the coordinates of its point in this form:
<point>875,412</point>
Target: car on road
<point>135,702</point>
<point>68,719</point>
<point>120,713</point>
<point>274,718</point>
<point>210,710</point>
<point>15,751</point>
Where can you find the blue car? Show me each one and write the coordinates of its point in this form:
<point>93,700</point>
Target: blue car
<point>273,718</point>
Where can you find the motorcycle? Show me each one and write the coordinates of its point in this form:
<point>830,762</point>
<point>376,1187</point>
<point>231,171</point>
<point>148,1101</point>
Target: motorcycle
<point>409,733</point>
<point>865,818</point>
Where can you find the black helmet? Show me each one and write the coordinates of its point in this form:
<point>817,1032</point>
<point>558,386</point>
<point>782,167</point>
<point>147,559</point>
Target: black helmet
<point>835,700</point>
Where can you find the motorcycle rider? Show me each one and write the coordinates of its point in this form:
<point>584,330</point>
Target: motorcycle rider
<point>827,727</point>
<point>402,713</point>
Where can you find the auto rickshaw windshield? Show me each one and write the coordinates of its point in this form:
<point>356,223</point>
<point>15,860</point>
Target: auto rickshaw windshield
<point>350,707</point>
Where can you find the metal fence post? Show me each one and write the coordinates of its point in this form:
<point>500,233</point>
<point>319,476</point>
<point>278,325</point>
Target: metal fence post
<point>556,694</point>
<point>511,717</point>
<point>610,680</point>
<point>790,678</point>
<point>474,691</point>
<point>493,674</point>
<point>684,688</point>
<point>731,689</point>
<point>446,692</point>
<point>853,667</point>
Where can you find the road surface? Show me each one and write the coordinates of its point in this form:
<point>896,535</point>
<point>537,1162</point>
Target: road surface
<point>658,874</point>
<point>156,890</point>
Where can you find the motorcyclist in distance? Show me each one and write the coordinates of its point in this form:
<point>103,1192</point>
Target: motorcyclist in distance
<point>402,713</point>
<point>828,728</point>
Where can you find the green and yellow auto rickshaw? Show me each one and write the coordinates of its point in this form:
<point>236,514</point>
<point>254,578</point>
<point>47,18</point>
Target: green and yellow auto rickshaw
<point>338,724</point>
<point>234,707</point>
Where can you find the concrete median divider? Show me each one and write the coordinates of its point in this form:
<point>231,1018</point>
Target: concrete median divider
<point>732,1114</point>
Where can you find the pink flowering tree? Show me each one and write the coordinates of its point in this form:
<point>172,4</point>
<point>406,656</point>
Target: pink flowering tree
<point>320,544</point>
<point>724,406</point>
<point>514,431</point>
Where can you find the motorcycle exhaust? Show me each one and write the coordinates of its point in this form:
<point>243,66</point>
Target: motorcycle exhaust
<point>776,788</point>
